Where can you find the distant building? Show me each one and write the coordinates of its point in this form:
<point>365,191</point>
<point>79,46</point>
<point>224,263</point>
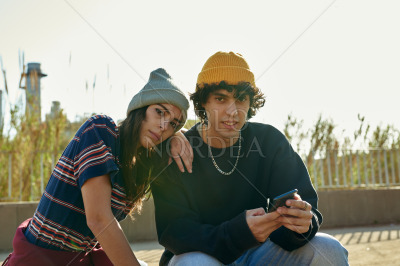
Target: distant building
<point>55,109</point>
<point>31,80</point>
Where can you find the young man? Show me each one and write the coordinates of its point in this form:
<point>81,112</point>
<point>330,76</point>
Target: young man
<point>217,214</point>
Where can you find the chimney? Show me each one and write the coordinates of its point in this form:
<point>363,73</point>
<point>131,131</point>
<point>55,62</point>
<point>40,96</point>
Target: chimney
<point>33,100</point>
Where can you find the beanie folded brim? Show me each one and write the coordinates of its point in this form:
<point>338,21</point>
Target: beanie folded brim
<point>161,95</point>
<point>232,75</point>
<point>160,89</point>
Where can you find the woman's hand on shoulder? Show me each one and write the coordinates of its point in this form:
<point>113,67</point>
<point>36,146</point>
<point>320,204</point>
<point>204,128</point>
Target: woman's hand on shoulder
<point>181,152</point>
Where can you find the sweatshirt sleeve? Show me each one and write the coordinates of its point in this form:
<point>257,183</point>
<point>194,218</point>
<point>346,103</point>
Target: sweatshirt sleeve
<point>180,230</point>
<point>289,172</point>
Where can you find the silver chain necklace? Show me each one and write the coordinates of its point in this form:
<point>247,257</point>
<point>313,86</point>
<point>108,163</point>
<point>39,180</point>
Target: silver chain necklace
<point>237,157</point>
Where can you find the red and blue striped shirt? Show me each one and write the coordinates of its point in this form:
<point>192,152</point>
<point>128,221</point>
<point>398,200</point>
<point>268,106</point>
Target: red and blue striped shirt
<point>59,222</point>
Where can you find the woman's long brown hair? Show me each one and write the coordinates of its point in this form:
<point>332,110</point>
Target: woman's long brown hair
<point>135,163</point>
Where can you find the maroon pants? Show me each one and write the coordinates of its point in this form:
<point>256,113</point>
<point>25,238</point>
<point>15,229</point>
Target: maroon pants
<point>25,253</point>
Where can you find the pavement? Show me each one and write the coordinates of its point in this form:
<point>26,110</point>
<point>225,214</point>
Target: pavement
<point>372,245</point>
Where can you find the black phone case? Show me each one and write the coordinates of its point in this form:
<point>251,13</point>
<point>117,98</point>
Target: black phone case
<point>281,201</point>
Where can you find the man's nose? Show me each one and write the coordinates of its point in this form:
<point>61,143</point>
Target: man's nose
<point>232,109</point>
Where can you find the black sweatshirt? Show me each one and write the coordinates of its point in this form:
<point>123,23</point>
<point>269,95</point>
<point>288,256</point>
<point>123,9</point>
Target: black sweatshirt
<point>205,211</point>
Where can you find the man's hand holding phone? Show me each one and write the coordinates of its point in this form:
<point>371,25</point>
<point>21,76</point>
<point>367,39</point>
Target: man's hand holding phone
<point>286,210</point>
<point>295,214</point>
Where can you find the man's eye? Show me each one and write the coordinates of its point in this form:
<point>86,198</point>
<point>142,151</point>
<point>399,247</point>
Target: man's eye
<point>242,98</point>
<point>220,99</point>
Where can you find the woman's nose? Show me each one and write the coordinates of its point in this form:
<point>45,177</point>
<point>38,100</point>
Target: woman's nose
<point>164,124</point>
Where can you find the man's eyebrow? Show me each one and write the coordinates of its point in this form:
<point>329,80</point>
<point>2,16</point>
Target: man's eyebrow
<point>166,110</point>
<point>220,94</point>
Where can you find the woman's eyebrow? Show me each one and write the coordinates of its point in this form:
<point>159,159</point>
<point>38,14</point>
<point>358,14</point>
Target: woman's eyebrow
<point>166,110</point>
<point>163,107</point>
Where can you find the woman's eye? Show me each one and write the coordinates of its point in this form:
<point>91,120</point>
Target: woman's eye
<point>159,111</point>
<point>173,124</point>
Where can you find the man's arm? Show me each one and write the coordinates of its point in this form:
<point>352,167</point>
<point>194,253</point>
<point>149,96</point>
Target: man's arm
<point>292,171</point>
<point>180,230</point>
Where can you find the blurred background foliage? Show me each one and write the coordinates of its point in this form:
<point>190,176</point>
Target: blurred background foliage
<point>30,147</point>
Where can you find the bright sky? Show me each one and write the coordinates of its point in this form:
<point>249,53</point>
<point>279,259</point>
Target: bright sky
<point>338,58</point>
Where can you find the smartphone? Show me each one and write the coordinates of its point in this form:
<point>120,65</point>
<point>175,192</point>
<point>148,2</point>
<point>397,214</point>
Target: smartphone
<point>280,200</point>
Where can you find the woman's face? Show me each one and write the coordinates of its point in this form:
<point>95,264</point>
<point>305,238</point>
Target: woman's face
<point>160,123</point>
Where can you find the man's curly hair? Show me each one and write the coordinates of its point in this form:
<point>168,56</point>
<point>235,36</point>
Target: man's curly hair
<point>257,98</point>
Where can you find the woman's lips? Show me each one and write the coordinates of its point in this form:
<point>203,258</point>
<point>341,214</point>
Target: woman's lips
<point>154,136</point>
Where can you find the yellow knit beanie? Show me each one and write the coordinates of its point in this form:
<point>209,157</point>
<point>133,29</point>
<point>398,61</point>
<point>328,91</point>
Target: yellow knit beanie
<point>229,67</point>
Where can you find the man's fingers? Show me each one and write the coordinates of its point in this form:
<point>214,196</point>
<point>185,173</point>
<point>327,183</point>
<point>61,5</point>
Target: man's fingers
<point>296,212</point>
<point>297,197</point>
<point>294,220</point>
<point>297,228</point>
<point>255,212</point>
<point>299,204</point>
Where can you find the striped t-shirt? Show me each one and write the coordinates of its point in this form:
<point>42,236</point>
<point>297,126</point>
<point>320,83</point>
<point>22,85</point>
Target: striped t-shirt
<point>59,221</point>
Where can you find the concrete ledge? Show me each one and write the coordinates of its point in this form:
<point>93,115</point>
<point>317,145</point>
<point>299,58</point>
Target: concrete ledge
<point>13,214</point>
<point>142,227</point>
<point>342,208</point>
<point>345,208</point>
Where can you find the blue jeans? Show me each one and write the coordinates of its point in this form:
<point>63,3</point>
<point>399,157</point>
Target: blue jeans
<point>323,249</point>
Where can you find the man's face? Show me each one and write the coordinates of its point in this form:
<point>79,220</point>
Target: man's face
<point>226,115</point>
<point>160,123</point>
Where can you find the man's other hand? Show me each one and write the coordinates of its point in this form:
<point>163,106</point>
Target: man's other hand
<point>262,224</point>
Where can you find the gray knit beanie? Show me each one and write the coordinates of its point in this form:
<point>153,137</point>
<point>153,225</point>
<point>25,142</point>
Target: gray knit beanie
<point>160,89</point>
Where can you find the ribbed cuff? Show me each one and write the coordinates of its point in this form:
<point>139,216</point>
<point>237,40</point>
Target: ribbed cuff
<point>242,237</point>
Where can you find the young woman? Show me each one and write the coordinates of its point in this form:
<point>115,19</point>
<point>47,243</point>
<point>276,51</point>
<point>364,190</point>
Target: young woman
<point>102,176</point>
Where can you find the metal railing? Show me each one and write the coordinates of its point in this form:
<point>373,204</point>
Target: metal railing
<point>330,170</point>
<point>354,168</point>
<point>25,179</point>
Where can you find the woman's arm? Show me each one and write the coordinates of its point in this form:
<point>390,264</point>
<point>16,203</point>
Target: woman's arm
<point>96,193</point>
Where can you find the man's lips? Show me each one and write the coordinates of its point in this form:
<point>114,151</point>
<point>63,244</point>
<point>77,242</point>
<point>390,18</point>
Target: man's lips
<point>230,123</point>
<point>154,136</point>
